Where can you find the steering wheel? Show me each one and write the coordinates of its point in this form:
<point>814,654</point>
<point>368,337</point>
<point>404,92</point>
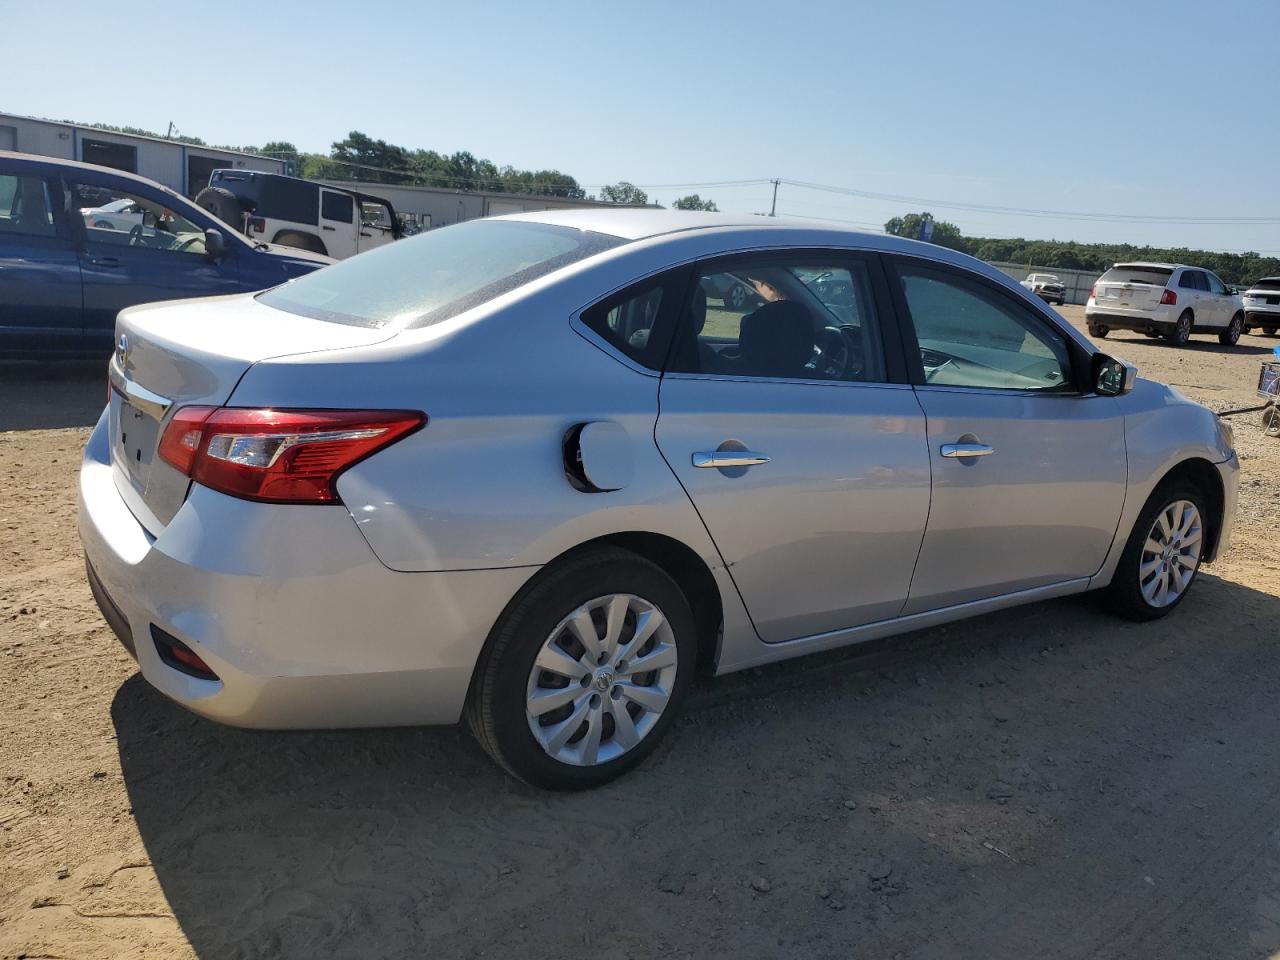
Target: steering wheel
<point>135,235</point>
<point>837,355</point>
<point>190,241</point>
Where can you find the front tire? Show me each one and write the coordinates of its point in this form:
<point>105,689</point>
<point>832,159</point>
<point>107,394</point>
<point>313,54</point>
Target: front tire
<point>1180,332</point>
<point>1099,330</point>
<point>1162,555</point>
<point>585,671</point>
<point>1231,336</point>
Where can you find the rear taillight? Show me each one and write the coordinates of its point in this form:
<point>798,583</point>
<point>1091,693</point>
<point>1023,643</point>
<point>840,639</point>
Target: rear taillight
<point>1169,298</point>
<point>280,456</point>
<point>1093,292</point>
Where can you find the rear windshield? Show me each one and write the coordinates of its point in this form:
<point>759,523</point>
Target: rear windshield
<point>1267,283</point>
<point>436,275</point>
<point>1159,276</point>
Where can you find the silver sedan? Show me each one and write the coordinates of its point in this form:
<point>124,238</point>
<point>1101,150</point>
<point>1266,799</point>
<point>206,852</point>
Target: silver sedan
<point>526,471</point>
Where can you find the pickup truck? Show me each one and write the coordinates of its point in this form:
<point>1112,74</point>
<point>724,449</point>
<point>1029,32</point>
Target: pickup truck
<point>1047,287</point>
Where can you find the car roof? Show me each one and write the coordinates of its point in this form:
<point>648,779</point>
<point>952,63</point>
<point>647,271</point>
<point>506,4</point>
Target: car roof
<point>1273,279</point>
<point>640,223</point>
<point>1148,263</point>
<point>35,161</point>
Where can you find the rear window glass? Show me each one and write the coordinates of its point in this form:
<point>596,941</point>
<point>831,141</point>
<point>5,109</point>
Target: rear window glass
<point>436,275</point>
<point>1268,283</point>
<point>1154,275</point>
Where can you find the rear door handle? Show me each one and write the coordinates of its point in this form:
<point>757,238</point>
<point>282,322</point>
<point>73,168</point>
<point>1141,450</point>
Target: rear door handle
<point>967,450</point>
<point>105,261</point>
<point>718,459</point>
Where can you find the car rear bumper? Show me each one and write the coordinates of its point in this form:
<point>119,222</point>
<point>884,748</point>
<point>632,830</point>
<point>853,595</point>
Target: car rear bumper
<point>288,606</point>
<point>1266,315</point>
<point>1161,319</point>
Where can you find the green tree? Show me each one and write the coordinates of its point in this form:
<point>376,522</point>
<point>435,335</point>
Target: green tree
<point>624,192</point>
<point>369,159</point>
<point>945,234</point>
<point>695,202</point>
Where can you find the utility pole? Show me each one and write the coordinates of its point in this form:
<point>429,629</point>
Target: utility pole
<point>773,208</point>
<point>169,134</point>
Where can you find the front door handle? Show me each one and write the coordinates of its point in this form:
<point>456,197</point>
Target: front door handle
<point>105,261</point>
<point>967,450</point>
<point>719,459</point>
<point>327,227</point>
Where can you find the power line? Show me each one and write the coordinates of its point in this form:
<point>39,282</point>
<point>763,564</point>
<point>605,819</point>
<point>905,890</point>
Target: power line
<point>1027,211</point>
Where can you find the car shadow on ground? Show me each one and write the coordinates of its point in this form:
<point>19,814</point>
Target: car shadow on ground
<point>1044,780</point>
<point>51,396</point>
<point>1202,345</point>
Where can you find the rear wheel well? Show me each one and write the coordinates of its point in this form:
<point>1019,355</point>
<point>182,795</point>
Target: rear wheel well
<point>301,240</point>
<point>690,573</point>
<point>1205,476</point>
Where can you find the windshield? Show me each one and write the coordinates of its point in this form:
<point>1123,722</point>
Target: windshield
<point>1157,276</point>
<point>436,275</point>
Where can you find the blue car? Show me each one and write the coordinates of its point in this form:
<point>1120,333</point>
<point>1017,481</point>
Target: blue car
<point>79,242</point>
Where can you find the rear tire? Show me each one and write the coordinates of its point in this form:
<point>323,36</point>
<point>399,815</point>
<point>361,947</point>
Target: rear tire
<point>1231,336</point>
<point>544,621</point>
<point>223,204</point>
<point>1180,332</point>
<point>1124,596</point>
<point>1099,330</point>
<point>1270,331</point>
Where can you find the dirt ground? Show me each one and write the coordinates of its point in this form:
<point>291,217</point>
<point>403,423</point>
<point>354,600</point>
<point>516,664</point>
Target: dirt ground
<point>1045,782</point>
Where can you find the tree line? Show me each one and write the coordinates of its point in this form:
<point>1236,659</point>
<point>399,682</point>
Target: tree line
<point>1239,268</point>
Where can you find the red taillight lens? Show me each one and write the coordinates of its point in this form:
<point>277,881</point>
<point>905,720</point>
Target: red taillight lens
<point>180,441</point>
<point>280,456</point>
<point>1169,298</point>
<point>1093,292</point>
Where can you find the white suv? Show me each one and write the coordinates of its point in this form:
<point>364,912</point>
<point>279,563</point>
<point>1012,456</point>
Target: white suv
<point>300,213</point>
<point>1262,306</point>
<point>1167,300</point>
<point>1047,287</point>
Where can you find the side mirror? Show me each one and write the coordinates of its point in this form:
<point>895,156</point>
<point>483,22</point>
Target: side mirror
<point>215,244</point>
<point>1111,377</point>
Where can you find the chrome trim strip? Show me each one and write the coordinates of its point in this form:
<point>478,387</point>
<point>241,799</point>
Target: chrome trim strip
<point>139,397</point>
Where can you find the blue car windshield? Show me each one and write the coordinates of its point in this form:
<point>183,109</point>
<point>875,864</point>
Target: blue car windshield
<point>436,275</point>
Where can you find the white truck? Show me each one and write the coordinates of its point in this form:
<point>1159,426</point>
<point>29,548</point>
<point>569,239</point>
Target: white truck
<point>300,213</point>
<point>1047,287</point>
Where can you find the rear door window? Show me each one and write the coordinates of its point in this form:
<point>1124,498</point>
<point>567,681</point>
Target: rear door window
<point>337,206</point>
<point>25,207</point>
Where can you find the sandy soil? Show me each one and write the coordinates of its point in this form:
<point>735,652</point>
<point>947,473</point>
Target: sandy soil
<point>1046,782</point>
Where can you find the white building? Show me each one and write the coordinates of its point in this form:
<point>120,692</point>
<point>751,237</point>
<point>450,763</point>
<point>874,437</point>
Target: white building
<point>179,166</point>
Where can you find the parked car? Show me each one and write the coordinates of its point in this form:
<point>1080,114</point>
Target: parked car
<point>64,275</point>
<point>1167,300</point>
<point>1262,306</point>
<point>300,213</point>
<point>733,292</point>
<point>117,215</point>
<point>1047,287</point>
<point>508,470</point>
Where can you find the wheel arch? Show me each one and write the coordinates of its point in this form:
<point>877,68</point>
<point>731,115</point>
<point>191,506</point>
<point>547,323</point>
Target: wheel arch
<point>1205,476</point>
<point>309,241</point>
<point>676,559</point>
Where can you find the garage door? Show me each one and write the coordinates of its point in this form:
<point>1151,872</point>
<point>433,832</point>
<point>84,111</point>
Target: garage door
<point>8,138</point>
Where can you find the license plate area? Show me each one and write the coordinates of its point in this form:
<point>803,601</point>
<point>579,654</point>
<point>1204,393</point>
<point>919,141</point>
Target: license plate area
<point>134,441</point>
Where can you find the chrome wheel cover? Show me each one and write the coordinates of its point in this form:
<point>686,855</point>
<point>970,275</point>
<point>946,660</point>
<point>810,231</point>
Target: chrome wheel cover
<point>601,680</point>
<point>1171,553</point>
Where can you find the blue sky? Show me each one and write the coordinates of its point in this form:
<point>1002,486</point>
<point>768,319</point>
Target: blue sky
<point>1136,109</point>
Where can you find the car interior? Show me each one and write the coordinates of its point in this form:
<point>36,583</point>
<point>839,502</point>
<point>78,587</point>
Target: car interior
<point>159,229</point>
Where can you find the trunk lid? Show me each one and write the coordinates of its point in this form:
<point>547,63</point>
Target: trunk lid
<point>185,353</point>
<point>1128,295</point>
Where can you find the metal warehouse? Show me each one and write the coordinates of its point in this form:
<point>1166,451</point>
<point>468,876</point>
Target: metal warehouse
<point>428,207</point>
<point>180,166</point>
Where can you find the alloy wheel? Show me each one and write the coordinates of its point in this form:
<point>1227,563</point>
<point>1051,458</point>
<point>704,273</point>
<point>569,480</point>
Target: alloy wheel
<point>601,680</point>
<point>1171,553</point>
